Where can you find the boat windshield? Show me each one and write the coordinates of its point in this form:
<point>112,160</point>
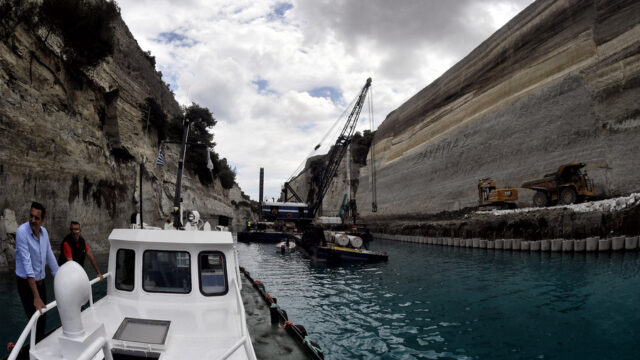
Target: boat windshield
<point>213,276</point>
<point>166,271</point>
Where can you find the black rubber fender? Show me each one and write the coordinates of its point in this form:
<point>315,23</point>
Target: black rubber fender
<point>301,330</point>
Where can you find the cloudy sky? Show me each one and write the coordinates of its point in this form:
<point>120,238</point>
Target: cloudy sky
<point>278,74</point>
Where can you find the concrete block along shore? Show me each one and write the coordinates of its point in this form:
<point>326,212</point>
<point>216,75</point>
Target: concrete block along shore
<point>617,243</point>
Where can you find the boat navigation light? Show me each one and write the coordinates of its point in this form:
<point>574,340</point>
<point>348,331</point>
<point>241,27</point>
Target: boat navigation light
<point>193,217</point>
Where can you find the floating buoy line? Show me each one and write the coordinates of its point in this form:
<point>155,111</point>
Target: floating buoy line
<point>279,316</point>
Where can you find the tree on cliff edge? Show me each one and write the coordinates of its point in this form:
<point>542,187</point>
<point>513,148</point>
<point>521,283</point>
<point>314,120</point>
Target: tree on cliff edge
<point>202,122</point>
<point>83,26</point>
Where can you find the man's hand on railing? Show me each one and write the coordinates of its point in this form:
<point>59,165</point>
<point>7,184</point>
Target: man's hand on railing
<point>38,304</point>
<point>99,277</point>
<point>10,346</point>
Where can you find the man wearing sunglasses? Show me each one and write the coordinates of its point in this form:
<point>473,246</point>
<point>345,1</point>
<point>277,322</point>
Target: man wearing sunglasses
<point>75,248</point>
<point>33,251</point>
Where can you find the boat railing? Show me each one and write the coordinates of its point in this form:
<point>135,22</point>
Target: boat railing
<point>245,338</point>
<point>31,325</point>
<point>235,256</point>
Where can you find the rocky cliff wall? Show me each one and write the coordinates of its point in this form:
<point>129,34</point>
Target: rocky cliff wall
<point>73,140</point>
<point>559,83</point>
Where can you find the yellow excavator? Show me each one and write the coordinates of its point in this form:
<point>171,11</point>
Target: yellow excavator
<point>490,197</point>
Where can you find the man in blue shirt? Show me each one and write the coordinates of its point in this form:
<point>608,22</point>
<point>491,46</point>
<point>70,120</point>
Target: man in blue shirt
<point>33,251</point>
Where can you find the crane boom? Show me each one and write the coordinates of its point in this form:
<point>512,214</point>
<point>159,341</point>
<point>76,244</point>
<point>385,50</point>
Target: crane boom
<point>337,152</point>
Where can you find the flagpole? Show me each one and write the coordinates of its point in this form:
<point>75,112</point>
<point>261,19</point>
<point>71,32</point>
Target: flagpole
<point>177,221</point>
<point>141,170</point>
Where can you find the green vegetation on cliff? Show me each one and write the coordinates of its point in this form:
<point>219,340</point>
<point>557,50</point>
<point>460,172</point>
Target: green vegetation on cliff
<point>201,141</point>
<point>82,33</point>
<point>84,27</point>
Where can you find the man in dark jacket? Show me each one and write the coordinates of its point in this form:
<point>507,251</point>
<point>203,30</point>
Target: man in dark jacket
<point>75,248</point>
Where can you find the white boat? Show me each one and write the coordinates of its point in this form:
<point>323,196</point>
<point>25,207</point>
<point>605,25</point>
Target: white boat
<point>286,246</point>
<point>171,294</point>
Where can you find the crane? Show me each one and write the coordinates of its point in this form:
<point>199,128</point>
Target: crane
<point>336,154</point>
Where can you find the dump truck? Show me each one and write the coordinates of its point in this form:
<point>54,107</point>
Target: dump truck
<point>567,185</point>
<point>489,196</point>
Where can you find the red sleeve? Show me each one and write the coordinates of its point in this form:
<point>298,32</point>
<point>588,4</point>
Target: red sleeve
<point>86,246</point>
<point>67,251</point>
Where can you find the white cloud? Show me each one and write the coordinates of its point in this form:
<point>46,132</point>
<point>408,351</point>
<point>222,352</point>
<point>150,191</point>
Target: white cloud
<point>214,52</point>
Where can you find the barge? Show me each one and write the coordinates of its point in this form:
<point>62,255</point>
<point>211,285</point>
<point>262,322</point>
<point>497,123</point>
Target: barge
<point>336,247</point>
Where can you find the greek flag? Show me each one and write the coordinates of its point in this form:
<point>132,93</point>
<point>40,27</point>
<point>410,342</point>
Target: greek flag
<point>160,160</point>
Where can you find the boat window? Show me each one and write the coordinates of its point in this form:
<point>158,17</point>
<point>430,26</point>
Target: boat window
<point>166,271</point>
<point>213,274</point>
<point>125,269</point>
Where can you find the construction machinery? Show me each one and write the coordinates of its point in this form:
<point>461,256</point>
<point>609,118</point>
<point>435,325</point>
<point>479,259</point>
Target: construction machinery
<point>327,172</point>
<point>565,186</point>
<point>489,196</point>
<point>313,242</point>
<point>344,208</point>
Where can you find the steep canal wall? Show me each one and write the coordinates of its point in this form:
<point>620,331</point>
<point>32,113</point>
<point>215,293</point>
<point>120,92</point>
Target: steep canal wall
<point>73,140</point>
<point>559,83</point>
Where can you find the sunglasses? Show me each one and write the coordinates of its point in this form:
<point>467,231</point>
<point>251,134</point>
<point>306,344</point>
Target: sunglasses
<point>75,230</point>
<point>34,217</point>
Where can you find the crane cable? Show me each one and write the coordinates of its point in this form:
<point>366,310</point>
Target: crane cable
<point>304,161</point>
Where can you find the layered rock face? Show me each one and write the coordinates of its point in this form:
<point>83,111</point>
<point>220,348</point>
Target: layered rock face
<point>75,140</point>
<point>559,83</point>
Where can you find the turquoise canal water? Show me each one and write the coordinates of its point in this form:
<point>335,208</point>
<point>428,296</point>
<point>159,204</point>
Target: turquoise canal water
<point>434,302</point>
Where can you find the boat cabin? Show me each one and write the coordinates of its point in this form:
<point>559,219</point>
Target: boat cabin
<point>170,295</point>
<point>151,265</point>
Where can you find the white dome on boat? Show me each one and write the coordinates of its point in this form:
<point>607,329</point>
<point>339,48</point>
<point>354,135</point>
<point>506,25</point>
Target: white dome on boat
<point>72,290</point>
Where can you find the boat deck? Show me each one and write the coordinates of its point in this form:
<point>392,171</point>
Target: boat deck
<point>196,331</point>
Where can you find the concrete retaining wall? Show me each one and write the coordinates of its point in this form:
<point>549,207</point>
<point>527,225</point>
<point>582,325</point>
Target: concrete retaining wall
<point>618,243</point>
